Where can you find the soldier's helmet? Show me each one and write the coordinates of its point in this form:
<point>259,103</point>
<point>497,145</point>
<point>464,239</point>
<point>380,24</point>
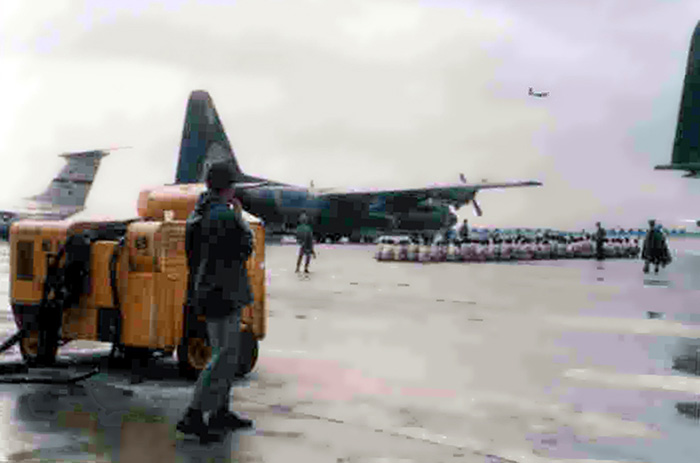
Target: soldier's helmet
<point>220,176</point>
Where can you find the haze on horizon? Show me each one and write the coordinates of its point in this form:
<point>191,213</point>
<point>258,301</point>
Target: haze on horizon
<point>380,93</point>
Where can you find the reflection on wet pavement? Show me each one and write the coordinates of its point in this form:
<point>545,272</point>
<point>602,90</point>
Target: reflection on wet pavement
<point>600,362</point>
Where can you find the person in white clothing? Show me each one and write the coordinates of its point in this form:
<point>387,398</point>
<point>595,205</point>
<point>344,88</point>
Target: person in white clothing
<point>464,250</point>
<point>480,251</point>
<point>506,249</point>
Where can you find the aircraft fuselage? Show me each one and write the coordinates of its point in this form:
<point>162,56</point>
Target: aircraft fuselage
<point>281,208</point>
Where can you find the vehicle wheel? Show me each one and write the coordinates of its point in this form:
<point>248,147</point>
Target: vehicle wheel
<point>29,347</point>
<point>193,354</point>
<point>248,356</point>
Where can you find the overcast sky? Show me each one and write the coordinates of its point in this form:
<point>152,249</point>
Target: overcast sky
<point>372,93</point>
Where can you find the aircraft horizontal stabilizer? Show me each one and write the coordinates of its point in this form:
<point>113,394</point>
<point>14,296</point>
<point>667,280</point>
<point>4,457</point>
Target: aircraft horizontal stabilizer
<point>68,191</point>
<point>249,185</point>
<point>686,144</point>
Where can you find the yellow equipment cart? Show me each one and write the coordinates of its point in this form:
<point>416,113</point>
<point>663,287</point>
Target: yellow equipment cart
<point>122,282</point>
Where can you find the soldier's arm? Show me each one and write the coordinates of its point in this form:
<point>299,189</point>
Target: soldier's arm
<point>233,222</point>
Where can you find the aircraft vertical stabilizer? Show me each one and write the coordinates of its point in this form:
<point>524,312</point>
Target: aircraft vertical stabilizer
<point>69,189</point>
<point>686,146</point>
<point>204,141</point>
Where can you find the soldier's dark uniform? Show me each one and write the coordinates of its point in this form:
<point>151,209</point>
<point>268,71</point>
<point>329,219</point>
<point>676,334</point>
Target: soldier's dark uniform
<point>600,242</point>
<point>219,242</point>
<point>305,238</point>
<point>464,232</point>
<point>655,250</point>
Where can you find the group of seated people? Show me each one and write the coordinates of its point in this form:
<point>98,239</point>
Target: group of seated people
<point>508,248</point>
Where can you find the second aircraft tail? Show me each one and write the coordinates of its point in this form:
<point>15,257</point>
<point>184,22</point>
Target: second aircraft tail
<point>70,188</point>
<point>686,145</point>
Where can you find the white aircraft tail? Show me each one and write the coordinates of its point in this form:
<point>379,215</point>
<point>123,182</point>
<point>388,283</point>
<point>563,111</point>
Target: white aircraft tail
<point>70,188</point>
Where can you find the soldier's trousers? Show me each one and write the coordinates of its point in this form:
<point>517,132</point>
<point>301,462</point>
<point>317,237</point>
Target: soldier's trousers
<point>212,390</point>
<point>599,251</point>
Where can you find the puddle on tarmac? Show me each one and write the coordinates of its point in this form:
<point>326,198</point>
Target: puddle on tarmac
<point>670,296</point>
<point>676,416</point>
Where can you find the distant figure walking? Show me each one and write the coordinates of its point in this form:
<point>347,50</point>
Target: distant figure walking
<point>600,242</point>
<point>655,250</point>
<point>305,238</point>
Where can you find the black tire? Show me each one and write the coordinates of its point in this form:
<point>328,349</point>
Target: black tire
<point>193,354</point>
<point>194,351</point>
<point>137,360</point>
<point>29,347</point>
<point>248,356</point>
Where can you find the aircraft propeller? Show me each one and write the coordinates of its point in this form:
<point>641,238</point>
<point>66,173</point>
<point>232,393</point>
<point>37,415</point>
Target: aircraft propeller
<point>477,209</point>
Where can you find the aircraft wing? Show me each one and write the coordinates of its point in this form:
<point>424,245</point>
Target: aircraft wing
<point>457,192</point>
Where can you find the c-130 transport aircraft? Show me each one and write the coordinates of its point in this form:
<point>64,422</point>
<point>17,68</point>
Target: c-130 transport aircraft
<point>333,213</point>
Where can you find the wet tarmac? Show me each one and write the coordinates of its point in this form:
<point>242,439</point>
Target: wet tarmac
<point>538,361</point>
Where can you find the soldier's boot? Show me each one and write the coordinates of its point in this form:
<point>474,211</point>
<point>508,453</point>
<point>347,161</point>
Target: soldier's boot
<point>192,423</point>
<point>224,419</point>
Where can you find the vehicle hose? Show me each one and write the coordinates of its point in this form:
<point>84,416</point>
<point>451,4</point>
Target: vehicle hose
<point>55,292</point>
<point>12,341</point>
<point>17,337</point>
<point>113,272</point>
<point>45,380</point>
<point>52,299</point>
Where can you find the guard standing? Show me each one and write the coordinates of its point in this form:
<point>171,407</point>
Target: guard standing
<point>464,231</point>
<point>219,243</point>
<point>655,250</point>
<point>600,242</point>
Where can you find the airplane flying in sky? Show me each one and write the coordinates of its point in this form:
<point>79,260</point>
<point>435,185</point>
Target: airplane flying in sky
<point>65,195</point>
<point>537,94</point>
<point>686,146</point>
<point>334,213</point>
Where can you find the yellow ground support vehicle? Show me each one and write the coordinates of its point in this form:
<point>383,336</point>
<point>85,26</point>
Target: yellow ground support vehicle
<point>122,282</point>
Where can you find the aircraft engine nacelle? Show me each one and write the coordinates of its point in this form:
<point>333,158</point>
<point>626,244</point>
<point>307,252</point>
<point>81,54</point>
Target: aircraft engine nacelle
<point>432,203</point>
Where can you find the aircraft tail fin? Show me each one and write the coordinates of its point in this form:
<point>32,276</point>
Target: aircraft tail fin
<point>204,141</point>
<point>686,145</point>
<point>70,188</point>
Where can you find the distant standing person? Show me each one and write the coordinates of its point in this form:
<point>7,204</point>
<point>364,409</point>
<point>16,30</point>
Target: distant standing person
<point>464,231</point>
<point>305,238</point>
<point>600,242</point>
<point>655,250</point>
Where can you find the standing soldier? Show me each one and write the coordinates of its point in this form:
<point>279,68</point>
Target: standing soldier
<point>305,238</point>
<point>655,250</point>
<point>600,242</point>
<point>218,244</point>
<point>464,231</point>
